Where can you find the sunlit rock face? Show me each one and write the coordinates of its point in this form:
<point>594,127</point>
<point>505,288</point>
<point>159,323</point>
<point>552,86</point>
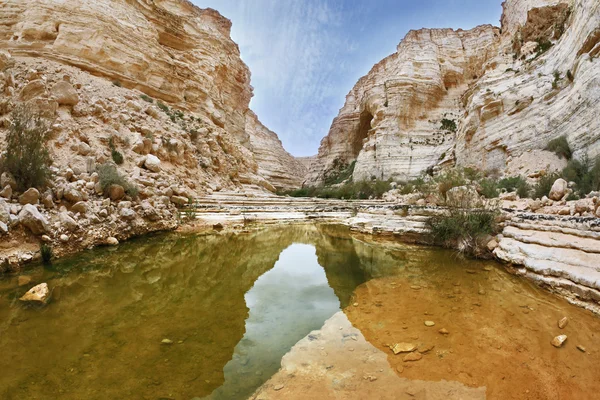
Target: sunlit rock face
<point>275,164</point>
<point>169,50</point>
<point>504,98</point>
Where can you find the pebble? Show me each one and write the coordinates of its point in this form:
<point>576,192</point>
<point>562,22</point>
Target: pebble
<point>559,341</point>
<point>581,348</point>
<point>429,323</point>
<point>279,387</point>
<point>412,357</point>
<point>355,304</point>
<point>424,348</point>
<point>488,269</point>
<point>444,331</point>
<point>415,287</point>
<point>403,348</point>
<point>400,369</point>
<point>563,323</point>
<point>167,341</point>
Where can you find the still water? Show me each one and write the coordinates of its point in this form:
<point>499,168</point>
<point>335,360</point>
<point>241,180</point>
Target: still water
<point>232,305</point>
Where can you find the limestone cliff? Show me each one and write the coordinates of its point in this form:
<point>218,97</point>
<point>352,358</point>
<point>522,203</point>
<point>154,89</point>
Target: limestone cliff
<point>484,97</point>
<point>169,50</point>
<point>275,164</point>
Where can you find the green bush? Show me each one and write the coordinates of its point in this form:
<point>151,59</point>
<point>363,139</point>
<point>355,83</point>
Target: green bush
<point>147,98</point>
<point>560,146</point>
<point>543,45</point>
<point>448,125</point>
<point>339,172</point>
<point>349,191</point>
<point>26,156</point>
<point>585,175</point>
<point>163,107</point>
<point>515,183</point>
<point>463,229</point>
<point>108,175</point>
<point>542,188</point>
<point>115,154</point>
<point>46,253</point>
<point>489,188</point>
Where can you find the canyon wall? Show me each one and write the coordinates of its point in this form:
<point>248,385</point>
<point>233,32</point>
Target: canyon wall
<point>489,98</point>
<point>168,50</point>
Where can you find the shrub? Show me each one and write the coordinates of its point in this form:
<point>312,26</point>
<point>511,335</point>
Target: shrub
<point>26,156</point>
<point>585,175</point>
<point>339,172</point>
<point>115,154</point>
<point>463,229</point>
<point>448,180</point>
<point>543,45</point>
<point>350,191</point>
<point>46,253</point>
<point>560,146</point>
<point>147,98</point>
<point>516,183</point>
<point>448,125</point>
<point>489,188</point>
<point>542,188</point>
<point>162,106</point>
<point>108,175</point>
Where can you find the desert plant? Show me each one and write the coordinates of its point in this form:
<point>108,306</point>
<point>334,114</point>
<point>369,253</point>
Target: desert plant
<point>544,184</point>
<point>515,183</point>
<point>448,125</point>
<point>115,154</point>
<point>108,175</point>
<point>585,175</point>
<point>560,146</point>
<point>26,156</point>
<point>489,188</point>
<point>46,253</point>
<point>448,180</point>
<point>147,98</point>
<point>463,229</point>
<point>162,106</point>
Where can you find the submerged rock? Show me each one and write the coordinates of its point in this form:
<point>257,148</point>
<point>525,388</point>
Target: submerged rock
<point>563,323</point>
<point>429,323</point>
<point>559,341</point>
<point>403,348</point>
<point>37,294</point>
<point>416,356</point>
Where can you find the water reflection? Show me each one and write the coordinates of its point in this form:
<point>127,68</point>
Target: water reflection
<point>286,303</point>
<point>229,309</point>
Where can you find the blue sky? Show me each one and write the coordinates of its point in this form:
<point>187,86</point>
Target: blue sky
<point>306,55</point>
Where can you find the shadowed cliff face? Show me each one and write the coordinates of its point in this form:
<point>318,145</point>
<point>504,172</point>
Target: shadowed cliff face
<point>217,297</point>
<point>502,94</point>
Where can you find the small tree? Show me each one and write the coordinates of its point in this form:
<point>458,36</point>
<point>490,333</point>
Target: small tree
<point>26,156</point>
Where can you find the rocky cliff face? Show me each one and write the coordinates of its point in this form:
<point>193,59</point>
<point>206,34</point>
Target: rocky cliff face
<point>489,98</point>
<point>275,164</point>
<point>169,50</point>
<point>158,84</point>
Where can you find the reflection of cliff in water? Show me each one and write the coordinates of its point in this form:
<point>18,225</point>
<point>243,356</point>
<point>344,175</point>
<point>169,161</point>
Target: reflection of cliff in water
<point>112,308</point>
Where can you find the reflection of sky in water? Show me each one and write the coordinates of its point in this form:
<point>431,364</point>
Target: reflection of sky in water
<point>286,303</point>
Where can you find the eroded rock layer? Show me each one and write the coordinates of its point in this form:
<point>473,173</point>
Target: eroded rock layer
<point>169,50</point>
<point>479,98</point>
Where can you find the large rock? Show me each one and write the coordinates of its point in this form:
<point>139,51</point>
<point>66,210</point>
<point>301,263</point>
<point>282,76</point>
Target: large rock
<point>72,195</point>
<point>559,189</point>
<point>38,294</point>
<point>116,192</point>
<point>31,196</point>
<point>33,89</point>
<point>127,214</point>
<point>67,223</point>
<point>32,219</point>
<point>152,163</point>
<point>65,94</point>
